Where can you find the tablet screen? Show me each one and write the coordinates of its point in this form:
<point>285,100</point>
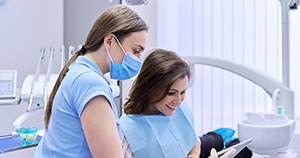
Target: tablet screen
<point>238,147</point>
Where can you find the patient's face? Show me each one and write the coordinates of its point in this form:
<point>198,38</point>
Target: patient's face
<point>174,97</point>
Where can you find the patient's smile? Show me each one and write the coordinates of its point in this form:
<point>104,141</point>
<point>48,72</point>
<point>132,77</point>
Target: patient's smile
<point>171,107</point>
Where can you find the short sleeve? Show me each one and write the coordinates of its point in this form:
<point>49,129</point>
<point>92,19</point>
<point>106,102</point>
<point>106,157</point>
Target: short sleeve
<point>87,86</point>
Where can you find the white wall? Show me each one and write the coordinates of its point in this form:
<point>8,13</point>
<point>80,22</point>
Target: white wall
<point>79,18</point>
<point>25,26</point>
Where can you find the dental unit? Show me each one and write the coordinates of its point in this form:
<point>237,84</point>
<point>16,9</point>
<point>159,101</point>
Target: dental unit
<point>266,129</point>
<point>272,88</point>
<point>268,83</point>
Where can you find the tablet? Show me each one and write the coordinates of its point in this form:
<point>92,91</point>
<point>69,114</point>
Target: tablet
<point>238,147</point>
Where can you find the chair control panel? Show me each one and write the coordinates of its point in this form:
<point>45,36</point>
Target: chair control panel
<point>8,84</point>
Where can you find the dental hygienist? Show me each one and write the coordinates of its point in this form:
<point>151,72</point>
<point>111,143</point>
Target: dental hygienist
<point>81,115</point>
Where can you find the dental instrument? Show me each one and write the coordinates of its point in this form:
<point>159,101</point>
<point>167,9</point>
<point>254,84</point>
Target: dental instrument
<point>71,52</point>
<point>32,81</point>
<point>47,78</point>
<point>62,57</point>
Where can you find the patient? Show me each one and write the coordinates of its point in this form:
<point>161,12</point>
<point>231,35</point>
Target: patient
<point>157,123</point>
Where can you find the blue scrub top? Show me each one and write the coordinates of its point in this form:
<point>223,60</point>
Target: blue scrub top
<point>64,136</point>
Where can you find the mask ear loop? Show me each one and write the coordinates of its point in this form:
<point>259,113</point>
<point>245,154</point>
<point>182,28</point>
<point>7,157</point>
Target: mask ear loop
<point>108,54</point>
<point>119,44</point>
<point>134,57</point>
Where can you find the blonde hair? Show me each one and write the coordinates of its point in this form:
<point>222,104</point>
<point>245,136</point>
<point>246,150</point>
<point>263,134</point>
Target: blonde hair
<point>118,20</point>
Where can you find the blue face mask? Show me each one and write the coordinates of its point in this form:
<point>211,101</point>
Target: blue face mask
<point>130,66</point>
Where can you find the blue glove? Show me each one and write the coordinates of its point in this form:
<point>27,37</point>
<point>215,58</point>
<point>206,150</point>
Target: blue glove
<point>229,140</point>
<point>226,134</point>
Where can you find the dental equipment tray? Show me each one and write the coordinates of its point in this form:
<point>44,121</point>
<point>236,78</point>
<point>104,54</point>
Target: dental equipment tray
<point>10,143</point>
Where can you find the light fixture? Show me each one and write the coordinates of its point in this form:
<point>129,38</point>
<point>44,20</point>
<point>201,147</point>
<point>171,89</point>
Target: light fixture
<point>137,2</point>
<point>294,4</point>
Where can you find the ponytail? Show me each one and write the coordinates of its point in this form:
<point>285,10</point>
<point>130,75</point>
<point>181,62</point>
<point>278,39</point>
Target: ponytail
<point>61,76</point>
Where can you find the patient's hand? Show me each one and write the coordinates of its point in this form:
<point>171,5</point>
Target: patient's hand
<point>213,153</point>
<point>195,152</point>
<point>193,156</point>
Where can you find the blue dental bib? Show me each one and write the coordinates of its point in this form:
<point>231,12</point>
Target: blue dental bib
<point>158,136</point>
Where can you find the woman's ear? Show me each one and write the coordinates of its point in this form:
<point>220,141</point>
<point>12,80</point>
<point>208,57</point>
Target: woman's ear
<point>108,40</point>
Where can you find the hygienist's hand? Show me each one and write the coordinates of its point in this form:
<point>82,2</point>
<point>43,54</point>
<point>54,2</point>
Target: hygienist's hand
<point>213,153</point>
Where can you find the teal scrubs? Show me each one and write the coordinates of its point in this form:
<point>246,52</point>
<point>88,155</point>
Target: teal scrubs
<point>153,136</point>
<point>64,136</point>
